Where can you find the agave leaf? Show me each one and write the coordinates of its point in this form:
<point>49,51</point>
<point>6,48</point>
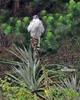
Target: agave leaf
<point>10,62</point>
<point>18,53</point>
<point>40,79</point>
<point>71,83</point>
<point>17,80</point>
<point>28,68</point>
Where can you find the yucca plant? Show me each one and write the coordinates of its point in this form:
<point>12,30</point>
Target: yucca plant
<point>28,69</point>
<point>71,82</point>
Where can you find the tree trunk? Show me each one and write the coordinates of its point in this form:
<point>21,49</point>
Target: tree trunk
<point>16,7</point>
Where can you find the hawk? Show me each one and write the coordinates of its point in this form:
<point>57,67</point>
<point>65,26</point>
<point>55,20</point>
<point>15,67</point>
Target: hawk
<point>36,29</point>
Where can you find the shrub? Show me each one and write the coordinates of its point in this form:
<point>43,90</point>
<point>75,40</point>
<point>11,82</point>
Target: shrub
<point>63,94</point>
<point>50,19</point>
<point>8,30</point>
<point>18,29</point>
<point>43,12</point>
<point>28,70</point>
<point>4,15</point>
<point>72,83</point>
<point>18,23</point>
<point>44,18</point>
<point>48,41</point>
<point>26,20</point>
<point>69,21</point>
<point>18,92</point>
<point>4,26</point>
<point>12,21</point>
<point>58,26</point>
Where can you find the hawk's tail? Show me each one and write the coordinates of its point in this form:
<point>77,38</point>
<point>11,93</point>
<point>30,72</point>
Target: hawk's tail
<point>35,44</point>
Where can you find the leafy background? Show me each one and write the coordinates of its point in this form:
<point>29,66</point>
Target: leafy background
<point>59,48</point>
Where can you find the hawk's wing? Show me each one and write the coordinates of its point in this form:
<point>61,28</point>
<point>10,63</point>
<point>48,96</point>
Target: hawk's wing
<point>41,27</point>
<point>30,26</point>
<point>35,25</point>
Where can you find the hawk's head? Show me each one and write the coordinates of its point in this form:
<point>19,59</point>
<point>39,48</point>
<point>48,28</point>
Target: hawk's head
<point>35,17</point>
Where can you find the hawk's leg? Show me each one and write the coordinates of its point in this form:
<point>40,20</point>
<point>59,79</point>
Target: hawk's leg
<point>35,45</point>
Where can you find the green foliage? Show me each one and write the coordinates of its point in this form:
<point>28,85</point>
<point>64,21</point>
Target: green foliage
<point>72,5</point>
<point>49,38</point>
<point>26,20</point>
<point>63,94</point>
<point>72,83</point>
<point>61,26</point>
<point>20,92</point>
<point>49,35</point>
<point>4,15</point>
<point>17,28</point>
<point>44,18</point>
<point>4,26</point>
<point>78,6</point>
<point>11,92</point>
<point>58,26</point>
<point>43,13</point>
<point>28,70</point>
<point>50,19</point>
<point>18,23</point>
<point>68,23</point>
<point>57,15</point>
<point>8,30</point>
<point>12,21</point>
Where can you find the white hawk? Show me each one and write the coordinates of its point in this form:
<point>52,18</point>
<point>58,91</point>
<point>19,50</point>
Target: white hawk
<point>36,29</point>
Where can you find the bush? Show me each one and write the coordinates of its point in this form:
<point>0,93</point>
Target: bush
<point>4,26</point>
<point>17,28</point>
<point>63,94</point>
<point>26,20</point>
<point>8,30</point>
<point>68,23</point>
<point>4,15</point>
<point>15,92</point>
<point>58,26</point>
<point>20,92</point>
<point>48,41</point>
<point>43,12</point>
